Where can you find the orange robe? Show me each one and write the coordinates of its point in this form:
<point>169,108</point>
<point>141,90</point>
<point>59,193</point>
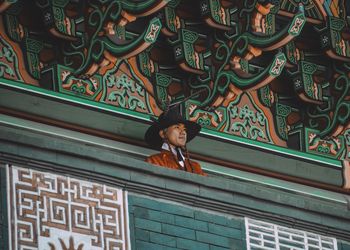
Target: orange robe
<point>166,159</point>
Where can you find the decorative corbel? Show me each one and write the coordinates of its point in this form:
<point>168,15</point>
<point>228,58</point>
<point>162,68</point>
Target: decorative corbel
<point>261,79</point>
<point>218,16</point>
<point>104,51</point>
<point>305,84</point>
<point>315,10</point>
<point>290,32</point>
<point>293,54</point>
<point>335,39</point>
<point>263,19</point>
<point>58,22</point>
<point>186,55</point>
<point>36,52</point>
<point>248,46</point>
<point>170,20</point>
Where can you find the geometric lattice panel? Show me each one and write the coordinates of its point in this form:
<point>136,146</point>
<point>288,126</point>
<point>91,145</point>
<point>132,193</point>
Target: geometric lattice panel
<point>262,235</point>
<point>54,212</point>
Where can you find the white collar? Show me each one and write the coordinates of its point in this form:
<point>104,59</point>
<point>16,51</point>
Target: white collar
<point>165,146</point>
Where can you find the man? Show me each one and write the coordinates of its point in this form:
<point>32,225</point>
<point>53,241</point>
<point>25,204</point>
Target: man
<point>170,133</point>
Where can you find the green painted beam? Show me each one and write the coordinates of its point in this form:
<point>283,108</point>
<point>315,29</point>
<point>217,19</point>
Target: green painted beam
<point>141,153</point>
<point>126,123</point>
<point>274,200</point>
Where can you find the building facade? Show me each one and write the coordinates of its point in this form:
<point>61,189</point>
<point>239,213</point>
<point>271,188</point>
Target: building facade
<point>268,81</point>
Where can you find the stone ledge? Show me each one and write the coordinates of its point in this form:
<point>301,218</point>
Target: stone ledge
<point>232,196</point>
<point>101,118</point>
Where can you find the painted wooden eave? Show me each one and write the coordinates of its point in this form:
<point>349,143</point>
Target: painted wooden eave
<point>213,149</point>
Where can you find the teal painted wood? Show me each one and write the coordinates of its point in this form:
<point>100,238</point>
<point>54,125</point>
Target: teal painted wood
<point>152,225</point>
<point>3,210</point>
<point>294,206</point>
<point>344,246</point>
<point>114,120</point>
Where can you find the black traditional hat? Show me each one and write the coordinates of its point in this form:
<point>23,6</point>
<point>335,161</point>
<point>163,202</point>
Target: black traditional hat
<point>168,118</point>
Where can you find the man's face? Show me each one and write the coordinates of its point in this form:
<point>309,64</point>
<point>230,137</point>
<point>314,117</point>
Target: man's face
<point>176,135</point>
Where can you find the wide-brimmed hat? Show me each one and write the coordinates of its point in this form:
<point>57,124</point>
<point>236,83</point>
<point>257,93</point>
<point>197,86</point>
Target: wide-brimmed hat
<point>165,120</point>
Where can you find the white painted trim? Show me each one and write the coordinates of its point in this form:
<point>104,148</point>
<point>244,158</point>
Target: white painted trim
<point>295,236</point>
<point>7,167</point>
<point>126,220</point>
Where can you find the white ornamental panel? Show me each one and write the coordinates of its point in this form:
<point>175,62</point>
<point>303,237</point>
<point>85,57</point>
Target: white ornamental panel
<point>262,235</point>
<point>54,212</point>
